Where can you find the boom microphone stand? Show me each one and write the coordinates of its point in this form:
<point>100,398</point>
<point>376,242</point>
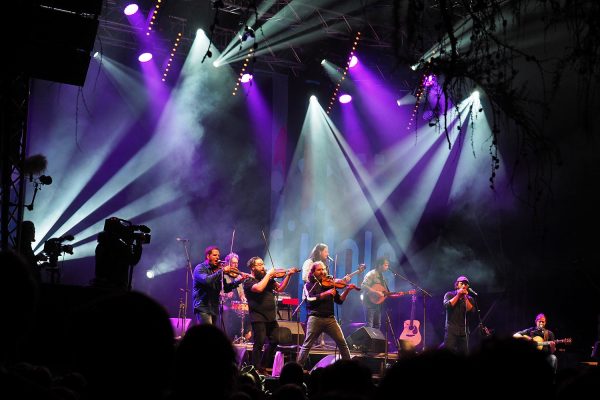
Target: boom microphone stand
<point>183,308</point>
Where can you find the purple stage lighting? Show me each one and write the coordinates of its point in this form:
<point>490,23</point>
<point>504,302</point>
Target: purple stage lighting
<point>353,62</point>
<point>345,98</point>
<point>246,78</point>
<point>429,80</point>
<point>145,57</point>
<point>131,9</point>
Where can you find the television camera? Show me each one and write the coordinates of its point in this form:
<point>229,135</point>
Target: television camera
<point>119,249</point>
<point>126,231</point>
<point>53,248</point>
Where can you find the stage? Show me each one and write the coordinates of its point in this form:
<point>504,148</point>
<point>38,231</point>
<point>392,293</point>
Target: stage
<point>319,357</point>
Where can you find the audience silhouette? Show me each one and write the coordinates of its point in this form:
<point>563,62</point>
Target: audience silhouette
<point>122,345</point>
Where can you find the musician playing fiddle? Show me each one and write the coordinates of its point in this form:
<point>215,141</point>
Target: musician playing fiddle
<point>260,291</point>
<point>208,280</point>
<point>321,294</point>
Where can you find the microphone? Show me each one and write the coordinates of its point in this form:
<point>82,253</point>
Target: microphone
<point>472,291</point>
<point>329,258</point>
<point>182,239</point>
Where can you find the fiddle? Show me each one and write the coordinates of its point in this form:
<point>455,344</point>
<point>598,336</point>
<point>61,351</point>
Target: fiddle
<point>282,272</point>
<point>233,271</point>
<point>330,282</point>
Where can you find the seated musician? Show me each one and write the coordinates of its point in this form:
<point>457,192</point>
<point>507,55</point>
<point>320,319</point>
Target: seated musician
<point>540,333</point>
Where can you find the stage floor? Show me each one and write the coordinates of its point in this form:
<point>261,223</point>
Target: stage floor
<point>320,357</point>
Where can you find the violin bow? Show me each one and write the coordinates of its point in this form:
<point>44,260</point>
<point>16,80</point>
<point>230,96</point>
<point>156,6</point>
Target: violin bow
<point>268,252</point>
<point>232,236</point>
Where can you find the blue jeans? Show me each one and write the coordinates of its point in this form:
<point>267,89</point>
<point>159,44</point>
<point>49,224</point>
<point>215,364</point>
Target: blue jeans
<point>314,327</point>
<point>374,317</point>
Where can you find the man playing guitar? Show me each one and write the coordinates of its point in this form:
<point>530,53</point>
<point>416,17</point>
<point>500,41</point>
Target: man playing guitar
<point>539,330</point>
<point>375,291</point>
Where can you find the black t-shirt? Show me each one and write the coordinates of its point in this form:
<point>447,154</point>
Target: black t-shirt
<point>545,335</point>
<point>262,305</point>
<point>320,307</point>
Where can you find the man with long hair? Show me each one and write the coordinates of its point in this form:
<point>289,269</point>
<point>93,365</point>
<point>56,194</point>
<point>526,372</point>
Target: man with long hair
<point>321,317</point>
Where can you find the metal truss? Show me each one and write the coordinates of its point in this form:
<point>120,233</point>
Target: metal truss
<point>13,138</point>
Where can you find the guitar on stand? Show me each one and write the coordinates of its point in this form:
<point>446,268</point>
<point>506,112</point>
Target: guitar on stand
<point>410,333</point>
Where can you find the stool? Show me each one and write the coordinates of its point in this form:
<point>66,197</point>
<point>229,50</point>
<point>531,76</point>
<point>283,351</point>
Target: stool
<point>279,359</point>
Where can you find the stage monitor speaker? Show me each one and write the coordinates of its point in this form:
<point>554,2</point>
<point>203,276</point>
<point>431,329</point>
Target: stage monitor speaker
<point>366,340</point>
<point>180,326</point>
<point>326,361</point>
<point>290,333</point>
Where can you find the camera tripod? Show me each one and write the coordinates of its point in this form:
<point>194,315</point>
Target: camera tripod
<point>52,268</point>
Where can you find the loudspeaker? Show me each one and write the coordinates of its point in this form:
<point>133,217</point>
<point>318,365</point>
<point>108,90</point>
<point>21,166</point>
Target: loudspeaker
<point>366,339</point>
<point>180,326</point>
<point>291,333</point>
<point>326,361</point>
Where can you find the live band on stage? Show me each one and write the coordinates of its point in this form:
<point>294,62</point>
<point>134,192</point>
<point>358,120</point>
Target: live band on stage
<point>258,314</point>
<point>254,308</point>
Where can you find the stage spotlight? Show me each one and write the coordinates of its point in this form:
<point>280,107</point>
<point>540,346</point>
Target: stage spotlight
<point>353,62</point>
<point>96,55</point>
<point>429,80</point>
<point>323,62</point>
<point>345,98</point>
<point>149,274</point>
<point>246,78</point>
<point>313,98</point>
<point>130,9</point>
<point>248,33</point>
<point>145,57</point>
<point>475,95</point>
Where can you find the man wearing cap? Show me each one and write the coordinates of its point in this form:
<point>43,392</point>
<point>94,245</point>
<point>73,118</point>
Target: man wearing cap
<point>547,336</point>
<point>458,305</point>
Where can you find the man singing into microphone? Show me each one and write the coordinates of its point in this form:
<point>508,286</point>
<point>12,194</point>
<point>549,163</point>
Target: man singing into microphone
<point>458,305</point>
<point>319,253</point>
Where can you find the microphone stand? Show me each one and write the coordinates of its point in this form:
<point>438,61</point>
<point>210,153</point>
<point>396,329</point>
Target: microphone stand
<point>484,331</point>
<point>222,301</point>
<point>183,308</point>
<point>425,294</point>
<point>389,327</point>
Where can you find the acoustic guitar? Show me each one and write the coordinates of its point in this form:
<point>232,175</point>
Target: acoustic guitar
<point>540,342</point>
<point>411,333</point>
<point>377,298</point>
<point>360,269</point>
